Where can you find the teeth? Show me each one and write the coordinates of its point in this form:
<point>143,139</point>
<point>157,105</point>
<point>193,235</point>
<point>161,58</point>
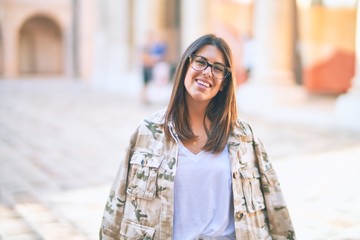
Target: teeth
<point>203,83</point>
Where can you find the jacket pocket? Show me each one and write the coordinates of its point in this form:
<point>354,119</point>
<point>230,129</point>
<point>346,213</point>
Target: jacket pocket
<point>251,185</point>
<point>143,174</point>
<point>133,231</point>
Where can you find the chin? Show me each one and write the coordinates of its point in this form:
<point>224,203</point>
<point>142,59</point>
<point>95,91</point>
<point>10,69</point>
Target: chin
<point>201,99</point>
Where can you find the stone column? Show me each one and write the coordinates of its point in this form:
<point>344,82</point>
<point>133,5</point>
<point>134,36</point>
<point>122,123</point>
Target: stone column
<point>75,15</point>
<point>273,25</point>
<point>348,105</point>
<point>10,48</point>
<point>272,80</point>
<point>68,66</point>
<point>86,18</point>
<point>142,24</point>
<point>193,21</point>
<point>2,59</point>
<point>111,53</point>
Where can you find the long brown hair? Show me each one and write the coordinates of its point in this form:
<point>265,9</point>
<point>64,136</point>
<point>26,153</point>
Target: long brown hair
<point>222,111</point>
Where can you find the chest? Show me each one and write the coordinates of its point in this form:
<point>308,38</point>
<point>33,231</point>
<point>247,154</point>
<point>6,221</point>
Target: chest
<point>203,166</point>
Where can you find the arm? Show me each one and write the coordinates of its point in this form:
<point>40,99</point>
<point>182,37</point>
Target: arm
<point>114,209</point>
<point>280,224</point>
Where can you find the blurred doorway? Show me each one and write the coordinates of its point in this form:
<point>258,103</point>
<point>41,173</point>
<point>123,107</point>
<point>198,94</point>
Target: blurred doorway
<point>40,47</point>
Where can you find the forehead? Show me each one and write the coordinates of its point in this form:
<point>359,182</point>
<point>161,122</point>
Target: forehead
<point>211,53</point>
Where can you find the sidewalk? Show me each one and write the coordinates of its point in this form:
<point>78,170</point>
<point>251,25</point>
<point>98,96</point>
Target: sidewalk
<point>61,142</point>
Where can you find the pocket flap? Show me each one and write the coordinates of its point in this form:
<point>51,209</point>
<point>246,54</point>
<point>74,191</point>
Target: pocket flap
<point>136,231</point>
<point>248,172</point>
<point>146,159</point>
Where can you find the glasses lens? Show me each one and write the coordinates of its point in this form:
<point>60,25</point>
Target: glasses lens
<point>198,63</point>
<point>219,71</point>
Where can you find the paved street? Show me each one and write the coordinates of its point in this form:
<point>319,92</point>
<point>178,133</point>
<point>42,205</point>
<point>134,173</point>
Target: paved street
<point>61,142</point>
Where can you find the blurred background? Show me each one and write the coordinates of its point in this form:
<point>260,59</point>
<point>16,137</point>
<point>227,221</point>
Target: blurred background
<point>72,91</point>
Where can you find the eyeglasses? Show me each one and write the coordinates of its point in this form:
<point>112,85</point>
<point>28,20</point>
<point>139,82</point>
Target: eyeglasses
<point>218,70</point>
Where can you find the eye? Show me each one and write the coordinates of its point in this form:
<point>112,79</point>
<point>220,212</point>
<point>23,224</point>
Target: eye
<point>200,62</point>
<point>218,68</point>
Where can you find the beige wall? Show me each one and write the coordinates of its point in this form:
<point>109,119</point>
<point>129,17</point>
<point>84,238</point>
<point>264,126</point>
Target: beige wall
<point>323,30</point>
<point>15,13</point>
<point>237,17</point>
<point>327,41</point>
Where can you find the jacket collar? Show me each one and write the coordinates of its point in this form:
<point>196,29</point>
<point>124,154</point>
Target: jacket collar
<point>240,133</point>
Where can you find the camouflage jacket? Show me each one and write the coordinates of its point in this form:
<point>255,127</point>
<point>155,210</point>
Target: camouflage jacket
<point>141,200</point>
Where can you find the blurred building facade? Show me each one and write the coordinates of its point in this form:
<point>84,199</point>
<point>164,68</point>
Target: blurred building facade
<point>99,41</point>
<point>40,38</point>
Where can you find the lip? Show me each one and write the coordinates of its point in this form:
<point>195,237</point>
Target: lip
<point>203,83</point>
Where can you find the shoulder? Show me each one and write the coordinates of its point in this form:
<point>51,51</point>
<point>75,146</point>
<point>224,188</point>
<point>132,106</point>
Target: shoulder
<point>154,120</point>
<point>245,126</point>
<point>243,129</point>
<point>152,125</point>
<point>157,118</point>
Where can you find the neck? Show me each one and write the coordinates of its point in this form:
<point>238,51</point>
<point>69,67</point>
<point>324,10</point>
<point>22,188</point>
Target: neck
<point>196,110</point>
<point>197,116</point>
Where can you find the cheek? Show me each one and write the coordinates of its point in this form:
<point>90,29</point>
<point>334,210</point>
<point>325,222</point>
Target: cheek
<point>188,78</point>
<point>218,85</point>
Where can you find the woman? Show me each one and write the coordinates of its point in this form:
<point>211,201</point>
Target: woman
<point>196,171</point>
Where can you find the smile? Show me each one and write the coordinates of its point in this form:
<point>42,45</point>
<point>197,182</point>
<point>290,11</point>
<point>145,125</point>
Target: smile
<point>202,83</point>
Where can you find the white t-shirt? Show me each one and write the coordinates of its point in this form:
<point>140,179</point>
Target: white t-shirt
<point>203,196</point>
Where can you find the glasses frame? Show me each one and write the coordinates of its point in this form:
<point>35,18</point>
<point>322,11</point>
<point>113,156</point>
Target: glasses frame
<point>228,69</point>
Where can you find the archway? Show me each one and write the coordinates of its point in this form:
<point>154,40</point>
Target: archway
<point>40,47</point>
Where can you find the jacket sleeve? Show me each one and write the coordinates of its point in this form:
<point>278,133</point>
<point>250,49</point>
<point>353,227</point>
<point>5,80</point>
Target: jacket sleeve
<point>280,224</point>
<point>114,209</point>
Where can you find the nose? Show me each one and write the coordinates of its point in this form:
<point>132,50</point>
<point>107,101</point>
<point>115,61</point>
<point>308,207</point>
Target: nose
<point>207,71</point>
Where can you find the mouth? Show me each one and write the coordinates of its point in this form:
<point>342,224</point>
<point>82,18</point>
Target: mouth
<point>203,83</point>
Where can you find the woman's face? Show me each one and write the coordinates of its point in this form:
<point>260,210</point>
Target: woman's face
<point>202,86</point>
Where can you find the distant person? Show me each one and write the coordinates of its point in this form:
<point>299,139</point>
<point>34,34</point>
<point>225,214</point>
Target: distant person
<point>196,171</point>
<point>153,54</point>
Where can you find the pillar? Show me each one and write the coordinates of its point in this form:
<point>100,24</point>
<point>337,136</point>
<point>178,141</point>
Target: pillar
<point>272,79</point>
<point>111,53</point>
<point>273,25</point>
<point>193,21</point>
<point>86,13</point>
<point>2,59</point>
<point>142,23</point>
<point>347,105</point>
<point>10,49</point>
<point>68,67</point>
